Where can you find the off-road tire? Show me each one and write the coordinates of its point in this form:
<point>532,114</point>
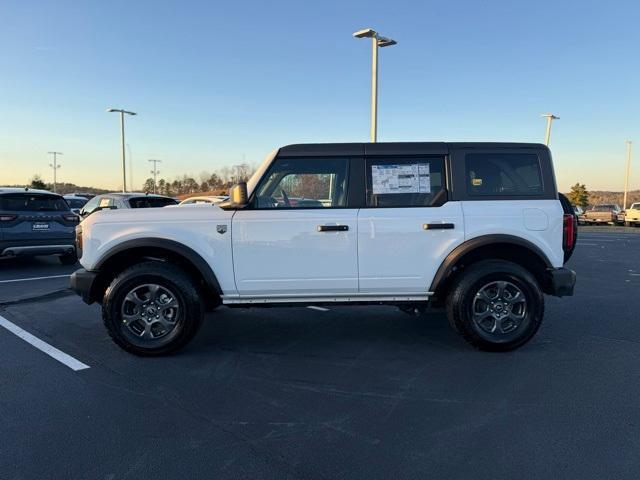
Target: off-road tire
<point>460,301</point>
<point>190,312</point>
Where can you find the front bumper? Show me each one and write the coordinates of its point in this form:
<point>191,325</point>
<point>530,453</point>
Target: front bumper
<point>82,282</point>
<point>561,282</point>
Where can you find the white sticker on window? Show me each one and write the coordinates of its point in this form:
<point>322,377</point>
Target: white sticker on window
<point>407,178</point>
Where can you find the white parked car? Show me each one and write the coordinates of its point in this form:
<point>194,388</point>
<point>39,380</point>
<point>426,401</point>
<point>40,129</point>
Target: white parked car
<point>477,227</point>
<point>632,215</point>
<point>205,199</point>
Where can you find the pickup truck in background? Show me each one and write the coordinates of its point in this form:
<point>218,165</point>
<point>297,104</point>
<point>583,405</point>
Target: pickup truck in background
<point>610,214</point>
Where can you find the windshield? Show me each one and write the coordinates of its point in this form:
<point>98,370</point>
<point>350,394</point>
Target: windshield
<point>603,208</point>
<point>76,202</point>
<point>25,202</point>
<point>635,206</point>
<point>257,175</point>
<point>151,202</point>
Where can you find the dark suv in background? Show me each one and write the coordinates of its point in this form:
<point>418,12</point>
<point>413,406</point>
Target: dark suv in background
<point>113,201</point>
<point>36,222</point>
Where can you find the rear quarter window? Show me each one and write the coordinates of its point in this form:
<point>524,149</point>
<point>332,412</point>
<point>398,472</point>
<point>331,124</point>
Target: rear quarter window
<point>508,174</point>
<point>25,202</point>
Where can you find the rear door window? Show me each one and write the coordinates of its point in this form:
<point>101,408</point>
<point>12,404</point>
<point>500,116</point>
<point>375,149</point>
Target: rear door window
<point>505,174</point>
<point>404,181</point>
<point>25,202</point>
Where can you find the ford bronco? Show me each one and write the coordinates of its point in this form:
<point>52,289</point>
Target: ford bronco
<point>476,227</point>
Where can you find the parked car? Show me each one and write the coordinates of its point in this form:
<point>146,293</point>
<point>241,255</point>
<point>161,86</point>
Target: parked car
<point>632,215</point>
<point>115,201</point>
<point>604,214</point>
<point>477,227</point>
<point>579,213</point>
<point>76,202</point>
<point>36,222</point>
<point>205,199</point>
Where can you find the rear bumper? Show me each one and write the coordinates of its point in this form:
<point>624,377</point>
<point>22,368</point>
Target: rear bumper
<point>561,282</point>
<point>30,250</point>
<point>82,282</point>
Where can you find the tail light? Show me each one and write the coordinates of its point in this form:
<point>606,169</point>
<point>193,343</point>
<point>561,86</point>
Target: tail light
<point>7,218</point>
<point>568,232</point>
<point>70,217</point>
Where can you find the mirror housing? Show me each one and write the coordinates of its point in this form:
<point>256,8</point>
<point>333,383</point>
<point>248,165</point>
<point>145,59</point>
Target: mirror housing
<point>238,195</point>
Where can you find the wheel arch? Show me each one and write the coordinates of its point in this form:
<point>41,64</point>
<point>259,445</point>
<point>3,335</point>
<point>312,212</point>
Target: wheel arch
<point>139,250</point>
<point>493,246</point>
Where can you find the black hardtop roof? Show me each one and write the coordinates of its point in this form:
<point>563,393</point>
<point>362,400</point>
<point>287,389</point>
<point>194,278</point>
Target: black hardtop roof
<point>395,148</point>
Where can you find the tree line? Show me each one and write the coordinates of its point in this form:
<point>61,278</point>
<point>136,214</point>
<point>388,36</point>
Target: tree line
<point>217,182</point>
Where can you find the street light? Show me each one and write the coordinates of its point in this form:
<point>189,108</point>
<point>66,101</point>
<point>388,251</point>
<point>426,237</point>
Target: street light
<point>377,41</point>
<point>550,118</point>
<point>55,167</point>
<point>626,179</point>
<point>124,166</point>
<point>155,172</point>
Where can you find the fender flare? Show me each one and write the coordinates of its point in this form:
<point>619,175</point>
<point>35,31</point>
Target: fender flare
<point>171,245</point>
<point>449,263</point>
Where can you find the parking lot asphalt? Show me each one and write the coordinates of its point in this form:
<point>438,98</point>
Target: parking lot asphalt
<point>352,392</point>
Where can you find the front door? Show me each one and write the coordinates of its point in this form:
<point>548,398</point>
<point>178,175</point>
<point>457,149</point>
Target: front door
<point>297,238</point>
<point>408,226</point>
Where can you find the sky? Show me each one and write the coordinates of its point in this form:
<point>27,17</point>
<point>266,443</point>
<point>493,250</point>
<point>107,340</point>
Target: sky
<point>219,83</point>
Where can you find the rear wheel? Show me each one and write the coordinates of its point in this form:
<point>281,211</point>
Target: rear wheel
<point>496,305</point>
<point>152,309</point>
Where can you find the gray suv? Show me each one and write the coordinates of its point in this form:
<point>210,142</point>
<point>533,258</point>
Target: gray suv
<point>36,222</point>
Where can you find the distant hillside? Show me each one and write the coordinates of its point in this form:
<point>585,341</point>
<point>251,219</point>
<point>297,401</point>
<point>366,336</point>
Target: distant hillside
<point>65,188</point>
<point>597,196</point>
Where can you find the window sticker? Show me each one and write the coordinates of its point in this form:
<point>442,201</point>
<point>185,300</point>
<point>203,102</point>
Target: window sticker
<point>476,182</point>
<point>405,178</point>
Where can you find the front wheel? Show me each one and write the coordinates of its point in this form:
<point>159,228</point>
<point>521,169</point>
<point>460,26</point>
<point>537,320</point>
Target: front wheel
<point>151,309</point>
<point>496,305</point>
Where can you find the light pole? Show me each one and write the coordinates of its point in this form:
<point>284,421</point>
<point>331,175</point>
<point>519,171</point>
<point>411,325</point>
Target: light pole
<point>626,178</point>
<point>124,161</point>
<point>131,185</point>
<point>155,172</point>
<point>376,41</point>
<point>55,167</point>
<point>550,118</point>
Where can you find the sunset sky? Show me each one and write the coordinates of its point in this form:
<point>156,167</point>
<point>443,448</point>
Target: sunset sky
<point>216,82</point>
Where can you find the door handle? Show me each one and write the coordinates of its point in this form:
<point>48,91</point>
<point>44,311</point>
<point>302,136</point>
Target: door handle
<point>333,228</point>
<point>438,226</point>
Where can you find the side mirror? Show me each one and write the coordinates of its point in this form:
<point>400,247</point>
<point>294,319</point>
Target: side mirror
<point>238,194</point>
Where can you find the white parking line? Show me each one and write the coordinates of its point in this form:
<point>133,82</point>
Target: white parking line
<point>320,309</point>
<point>53,352</point>
<point>33,278</point>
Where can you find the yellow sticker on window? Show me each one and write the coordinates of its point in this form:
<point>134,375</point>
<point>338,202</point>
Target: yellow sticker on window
<point>476,182</point>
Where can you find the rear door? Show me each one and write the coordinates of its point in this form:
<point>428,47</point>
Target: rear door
<point>299,236</point>
<point>36,218</point>
<point>408,224</point>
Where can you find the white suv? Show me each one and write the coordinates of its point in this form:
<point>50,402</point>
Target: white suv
<point>477,227</point>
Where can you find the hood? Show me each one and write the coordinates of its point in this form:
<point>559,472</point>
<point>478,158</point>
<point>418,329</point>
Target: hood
<point>170,214</point>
